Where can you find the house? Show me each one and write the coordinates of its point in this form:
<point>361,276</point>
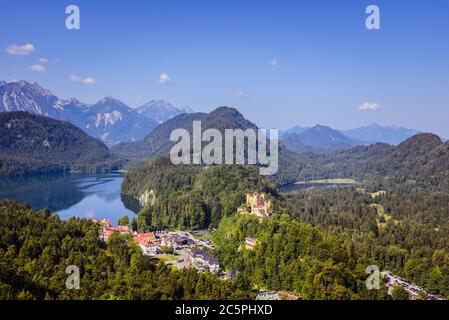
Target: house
<point>106,223</point>
<point>268,295</point>
<point>204,260</point>
<point>175,241</point>
<point>106,233</point>
<point>148,243</point>
<point>258,205</point>
<point>124,229</point>
<point>250,243</point>
<point>231,275</point>
<point>288,296</point>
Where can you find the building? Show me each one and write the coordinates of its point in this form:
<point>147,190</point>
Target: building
<point>106,223</point>
<point>268,295</point>
<point>175,241</point>
<point>124,229</point>
<point>288,296</point>
<point>250,243</point>
<point>204,260</point>
<point>258,205</point>
<point>148,243</point>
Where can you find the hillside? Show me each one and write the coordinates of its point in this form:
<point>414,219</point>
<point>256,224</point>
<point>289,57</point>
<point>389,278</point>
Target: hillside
<point>293,143</point>
<point>421,159</point>
<point>190,197</point>
<point>115,270</point>
<point>158,143</point>
<point>37,144</point>
<point>326,138</point>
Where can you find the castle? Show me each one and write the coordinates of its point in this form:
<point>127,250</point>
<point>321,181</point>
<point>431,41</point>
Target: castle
<point>258,205</point>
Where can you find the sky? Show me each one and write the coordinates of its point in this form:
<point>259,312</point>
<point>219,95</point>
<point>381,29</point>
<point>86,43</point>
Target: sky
<point>281,63</point>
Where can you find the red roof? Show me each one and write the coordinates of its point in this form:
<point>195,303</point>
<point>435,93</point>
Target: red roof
<point>124,229</point>
<point>146,239</point>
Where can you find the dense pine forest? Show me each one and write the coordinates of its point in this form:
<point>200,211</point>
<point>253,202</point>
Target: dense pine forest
<point>319,241</point>
<point>190,197</point>
<point>31,144</point>
<point>322,240</point>
<point>37,247</point>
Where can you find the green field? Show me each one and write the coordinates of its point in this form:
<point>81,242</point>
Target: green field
<point>330,181</point>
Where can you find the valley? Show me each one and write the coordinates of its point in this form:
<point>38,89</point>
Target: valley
<point>335,206</point>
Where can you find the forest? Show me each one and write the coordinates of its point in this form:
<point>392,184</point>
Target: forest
<point>36,247</point>
<point>188,196</point>
<point>321,241</point>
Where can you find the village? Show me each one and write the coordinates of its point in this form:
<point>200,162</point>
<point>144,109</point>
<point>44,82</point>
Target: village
<point>183,249</point>
<point>188,249</point>
<point>192,249</point>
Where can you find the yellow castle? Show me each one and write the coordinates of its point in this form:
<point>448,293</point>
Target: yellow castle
<point>258,204</point>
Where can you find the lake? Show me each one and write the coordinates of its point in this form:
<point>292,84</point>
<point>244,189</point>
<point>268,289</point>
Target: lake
<point>313,185</point>
<point>92,196</point>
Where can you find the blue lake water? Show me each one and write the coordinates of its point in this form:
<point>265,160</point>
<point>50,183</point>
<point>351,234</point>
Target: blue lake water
<point>89,196</point>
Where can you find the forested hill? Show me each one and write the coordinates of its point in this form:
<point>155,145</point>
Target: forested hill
<point>158,143</point>
<point>37,247</point>
<point>31,144</point>
<point>190,197</point>
<point>420,160</point>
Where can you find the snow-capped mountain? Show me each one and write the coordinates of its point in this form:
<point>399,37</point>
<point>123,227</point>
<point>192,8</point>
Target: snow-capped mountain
<point>161,111</point>
<point>113,121</point>
<point>23,96</point>
<point>110,120</point>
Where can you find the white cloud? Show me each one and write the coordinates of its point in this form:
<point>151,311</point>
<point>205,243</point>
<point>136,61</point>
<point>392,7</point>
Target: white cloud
<point>241,93</point>
<point>86,81</point>
<point>164,79</point>
<point>274,62</point>
<point>366,106</point>
<point>38,68</point>
<point>43,60</point>
<point>17,50</point>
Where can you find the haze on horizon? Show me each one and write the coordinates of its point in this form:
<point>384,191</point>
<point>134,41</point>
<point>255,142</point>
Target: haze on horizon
<point>281,63</point>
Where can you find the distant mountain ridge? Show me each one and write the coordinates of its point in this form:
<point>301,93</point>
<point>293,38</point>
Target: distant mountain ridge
<point>31,144</point>
<point>377,133</point>
<point>422,159</point>
<point>109,119</point>
<point>161,111</point>
<point>322,138</point>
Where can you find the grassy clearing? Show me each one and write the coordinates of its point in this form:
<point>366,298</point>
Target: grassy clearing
<point>203,236</point>
<point>330,181</point>
<point>167,257</point>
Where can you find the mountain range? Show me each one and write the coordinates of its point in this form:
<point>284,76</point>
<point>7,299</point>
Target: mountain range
<point>323,138</point>
<point>109,119</point>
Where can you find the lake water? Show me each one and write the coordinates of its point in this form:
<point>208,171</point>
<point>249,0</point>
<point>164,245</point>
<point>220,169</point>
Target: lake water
<point>311,185</point>
<point>72,195</point>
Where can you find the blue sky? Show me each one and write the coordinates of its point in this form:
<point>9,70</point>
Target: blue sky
<point>281,63</point>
